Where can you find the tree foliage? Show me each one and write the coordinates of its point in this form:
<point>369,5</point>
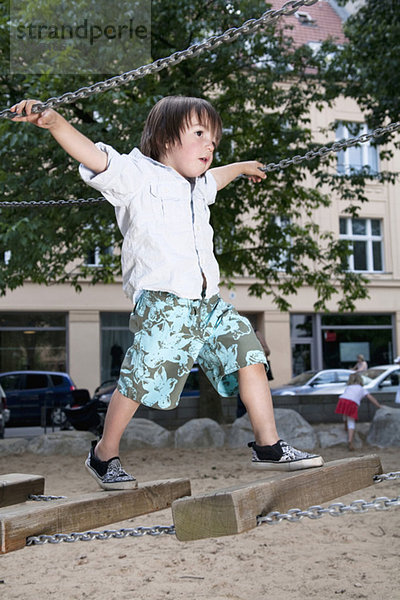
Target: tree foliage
<point>262,87</point>
<point>367,68</point>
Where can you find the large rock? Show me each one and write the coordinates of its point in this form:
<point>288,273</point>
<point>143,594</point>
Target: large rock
<point>385,428</point>
<point>200,433</point>
<point>290,425</point>
<point>336,435</point>
<point>143,433</point>
<point>10,446</point>
<point>70,443</point>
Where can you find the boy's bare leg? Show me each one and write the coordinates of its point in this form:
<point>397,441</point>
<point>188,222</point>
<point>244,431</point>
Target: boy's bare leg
<point>256,396</point>
<point>266,452</point>
<point>120,411</point>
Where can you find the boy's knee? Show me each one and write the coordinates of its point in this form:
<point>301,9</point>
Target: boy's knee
<point>118,397</point>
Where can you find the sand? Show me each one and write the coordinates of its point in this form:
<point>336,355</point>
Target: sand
<point>356,556</point>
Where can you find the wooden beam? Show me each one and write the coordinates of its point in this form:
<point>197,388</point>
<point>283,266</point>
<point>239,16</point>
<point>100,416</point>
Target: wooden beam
<point>235,510</point>
<point>16,487</point>
<point>85,512</point>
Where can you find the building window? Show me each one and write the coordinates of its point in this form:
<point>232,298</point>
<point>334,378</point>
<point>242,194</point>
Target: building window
<point>333,341</point>
<point>344,336</point>
<point>305,18</point>
<point>365,237</point>
<point>282,257</point>
<point>115,340</point>
<point>33,341</point>
<point>355,159</point>
<point>302,343</point>
<point>94,258</point>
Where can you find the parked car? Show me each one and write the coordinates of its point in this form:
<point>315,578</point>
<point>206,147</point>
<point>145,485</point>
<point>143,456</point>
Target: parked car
<point>33,393</point>
<point>377,380</point>
<point>4,412</point>
<point>382,379</point>
<point>104,392</point>
<point>314,382</point>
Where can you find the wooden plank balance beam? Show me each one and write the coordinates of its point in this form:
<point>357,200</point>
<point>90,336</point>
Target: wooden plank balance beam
<point>235,509</point>
<point>225,512</point>
<point>28,518</point>
<point>16,487</point>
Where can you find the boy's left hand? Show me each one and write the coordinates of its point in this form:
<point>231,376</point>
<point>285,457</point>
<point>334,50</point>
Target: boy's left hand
<point>251,169</point>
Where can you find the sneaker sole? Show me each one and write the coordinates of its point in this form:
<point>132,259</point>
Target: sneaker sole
<point>120,485</point>
<point>294,465</point>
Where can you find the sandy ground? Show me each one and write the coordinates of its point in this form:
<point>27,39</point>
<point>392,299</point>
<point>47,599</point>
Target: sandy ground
<point>356,556</point>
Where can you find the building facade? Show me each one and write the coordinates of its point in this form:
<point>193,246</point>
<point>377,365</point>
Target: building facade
<point>86,333</point>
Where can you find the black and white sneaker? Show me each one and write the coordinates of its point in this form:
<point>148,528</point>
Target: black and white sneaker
<point>109,474</point>
<point>282,457</point>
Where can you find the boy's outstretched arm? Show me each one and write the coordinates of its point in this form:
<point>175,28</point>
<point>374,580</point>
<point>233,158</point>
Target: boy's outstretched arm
<point>227,173</point>
<point>75,143</point>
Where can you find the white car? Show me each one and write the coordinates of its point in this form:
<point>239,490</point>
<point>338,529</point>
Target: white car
<point>314,382</point>
<point>382,379</point>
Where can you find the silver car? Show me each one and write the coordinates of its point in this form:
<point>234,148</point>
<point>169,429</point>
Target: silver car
<point>314,382</point>
<point>382,379</point>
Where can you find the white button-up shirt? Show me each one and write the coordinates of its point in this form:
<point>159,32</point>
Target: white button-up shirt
<point>165,222</point>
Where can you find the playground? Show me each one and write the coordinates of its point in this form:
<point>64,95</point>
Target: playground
<point>353,556</point>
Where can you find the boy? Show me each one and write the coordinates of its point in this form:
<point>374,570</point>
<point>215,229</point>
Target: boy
<point>161,196</point>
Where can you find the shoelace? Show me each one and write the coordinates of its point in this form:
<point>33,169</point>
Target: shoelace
<point>115,471</point>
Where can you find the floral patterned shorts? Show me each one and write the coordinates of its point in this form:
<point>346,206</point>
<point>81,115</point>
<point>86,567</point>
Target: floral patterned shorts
<point>171,333</point>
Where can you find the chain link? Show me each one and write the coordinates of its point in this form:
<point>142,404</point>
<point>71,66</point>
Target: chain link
<point>107,534</point>
<point>386,476</point>
<point>41,497</point>
<point>337,509</point>
<point>294,515</point>
<point>39,203</point>
<point>335,147</point>
<point>283,164</point>
<point>230,35</point>
<point>210,43</point>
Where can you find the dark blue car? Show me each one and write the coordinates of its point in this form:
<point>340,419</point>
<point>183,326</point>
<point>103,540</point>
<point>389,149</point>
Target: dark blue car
<point>37,397</point>
<point>104,392</point>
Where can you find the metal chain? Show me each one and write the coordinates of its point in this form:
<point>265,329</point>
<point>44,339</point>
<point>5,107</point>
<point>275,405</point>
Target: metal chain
<point>337,509</point>
<point>210,43</point>
<point>39,203</point>
<point>293,515</point>
<point>107,534</point>
<point>283,164</point>
<point>229,35</point>
<point>386,476</point>
<point>335,147</point>
<point>41,497</point>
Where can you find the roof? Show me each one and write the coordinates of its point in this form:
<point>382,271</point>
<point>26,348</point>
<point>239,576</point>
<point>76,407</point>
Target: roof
<point>315,23</point>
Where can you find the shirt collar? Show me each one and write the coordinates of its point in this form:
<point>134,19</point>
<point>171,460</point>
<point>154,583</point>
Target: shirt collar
<point>138,154</point>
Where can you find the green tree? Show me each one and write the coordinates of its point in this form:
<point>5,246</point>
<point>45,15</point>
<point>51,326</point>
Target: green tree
<point>261,85</point>
<point>367,68</point>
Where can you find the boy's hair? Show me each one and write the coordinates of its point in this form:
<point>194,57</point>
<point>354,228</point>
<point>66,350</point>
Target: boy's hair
<point>169,117</point>
<point>354,379</point>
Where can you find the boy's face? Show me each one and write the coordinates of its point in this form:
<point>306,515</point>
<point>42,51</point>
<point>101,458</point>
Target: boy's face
<point>193,155</point>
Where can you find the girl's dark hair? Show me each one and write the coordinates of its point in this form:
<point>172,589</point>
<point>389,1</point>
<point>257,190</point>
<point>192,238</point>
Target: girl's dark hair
<point>169,117</point>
